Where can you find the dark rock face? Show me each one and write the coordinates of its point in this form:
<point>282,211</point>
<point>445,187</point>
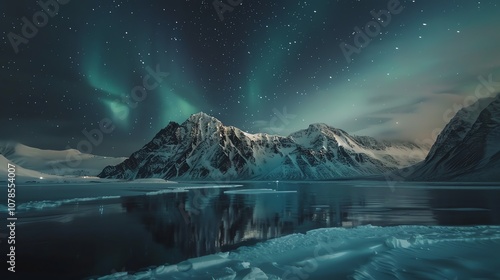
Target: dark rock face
<point>203,148</point>
<point>468,148</point>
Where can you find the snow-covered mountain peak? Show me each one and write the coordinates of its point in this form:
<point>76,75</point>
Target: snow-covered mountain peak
<point>318,126</point>
<point>203,118</point>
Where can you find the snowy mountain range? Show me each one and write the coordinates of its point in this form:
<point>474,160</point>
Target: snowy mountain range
<point>202,148</point>
<point>468,148</point>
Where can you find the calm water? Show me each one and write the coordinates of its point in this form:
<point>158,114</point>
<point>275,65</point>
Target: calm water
<point>80,239</point>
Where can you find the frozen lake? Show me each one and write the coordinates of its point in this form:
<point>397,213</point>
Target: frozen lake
<point>86,230</point>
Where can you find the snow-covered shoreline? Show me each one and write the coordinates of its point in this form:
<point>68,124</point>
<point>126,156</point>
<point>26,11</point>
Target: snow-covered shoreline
<point>365,252</point>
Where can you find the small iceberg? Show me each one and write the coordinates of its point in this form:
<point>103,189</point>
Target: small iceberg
<point>258,191</point>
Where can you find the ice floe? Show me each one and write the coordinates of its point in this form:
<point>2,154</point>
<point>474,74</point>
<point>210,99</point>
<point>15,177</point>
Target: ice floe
<point>257,191</point>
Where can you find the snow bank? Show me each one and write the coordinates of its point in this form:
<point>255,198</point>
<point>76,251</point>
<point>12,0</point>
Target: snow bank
<point>367,252</point>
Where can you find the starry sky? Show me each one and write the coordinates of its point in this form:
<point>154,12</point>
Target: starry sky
<point>263,66</point>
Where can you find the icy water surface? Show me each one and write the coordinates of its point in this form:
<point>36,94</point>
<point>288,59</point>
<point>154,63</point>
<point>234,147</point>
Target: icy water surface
<point>84,231</point>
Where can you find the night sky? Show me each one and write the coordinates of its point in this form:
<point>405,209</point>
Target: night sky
<point>263,66</point>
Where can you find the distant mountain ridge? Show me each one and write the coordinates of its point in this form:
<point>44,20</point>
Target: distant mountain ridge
<point>64,162</point>
<point>202,148</point>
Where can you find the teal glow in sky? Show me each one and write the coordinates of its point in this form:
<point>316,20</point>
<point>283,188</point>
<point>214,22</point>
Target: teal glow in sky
<point>264,57</point>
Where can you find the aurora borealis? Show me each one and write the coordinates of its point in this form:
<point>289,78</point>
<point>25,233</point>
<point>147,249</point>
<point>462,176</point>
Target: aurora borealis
<point>263,57</point>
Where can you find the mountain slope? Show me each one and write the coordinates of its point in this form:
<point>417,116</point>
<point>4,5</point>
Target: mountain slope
<point>468,148</point>
<point>66,162</point>
<point>23,174</point>
<point>203,148</point>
